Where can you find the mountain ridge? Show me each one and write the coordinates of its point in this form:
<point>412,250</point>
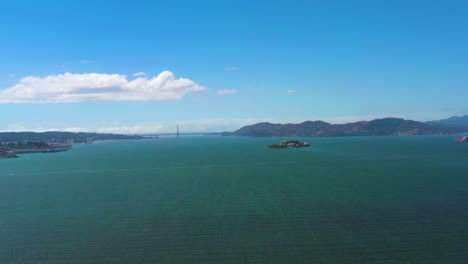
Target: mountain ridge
<point>455,122</point>
<point>377,127</point>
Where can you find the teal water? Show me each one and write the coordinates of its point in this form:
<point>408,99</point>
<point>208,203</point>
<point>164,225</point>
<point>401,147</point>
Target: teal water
<point>231,200</point>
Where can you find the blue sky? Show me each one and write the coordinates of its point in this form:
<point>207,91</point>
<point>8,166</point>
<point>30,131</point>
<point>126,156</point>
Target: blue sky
<point>218,65</point>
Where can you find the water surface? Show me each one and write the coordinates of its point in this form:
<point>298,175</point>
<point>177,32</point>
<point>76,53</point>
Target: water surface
<point>231,200</point>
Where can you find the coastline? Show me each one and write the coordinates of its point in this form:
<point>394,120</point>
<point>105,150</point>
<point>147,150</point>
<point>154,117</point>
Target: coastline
<point>14,143</point>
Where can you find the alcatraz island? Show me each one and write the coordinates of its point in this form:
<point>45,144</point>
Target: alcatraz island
<point>14,143</point>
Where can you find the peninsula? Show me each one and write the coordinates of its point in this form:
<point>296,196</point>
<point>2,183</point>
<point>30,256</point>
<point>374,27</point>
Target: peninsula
<point>13,143</point>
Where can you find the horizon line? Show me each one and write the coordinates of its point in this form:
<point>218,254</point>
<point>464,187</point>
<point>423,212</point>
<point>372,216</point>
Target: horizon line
<point>84,130</point>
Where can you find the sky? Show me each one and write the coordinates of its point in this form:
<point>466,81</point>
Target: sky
<point>146,66</point>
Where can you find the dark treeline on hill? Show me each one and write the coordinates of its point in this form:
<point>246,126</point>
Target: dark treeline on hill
<point>377,127</point>
<point>80,137</point>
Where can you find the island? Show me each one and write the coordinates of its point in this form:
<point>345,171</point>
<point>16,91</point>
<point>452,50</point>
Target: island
<point>290,144</point>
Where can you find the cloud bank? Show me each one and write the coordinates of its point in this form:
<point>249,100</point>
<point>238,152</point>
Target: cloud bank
<point>68,87</point>
<point>226,91</point>
<point>200,125</point>
<point>168,126</point>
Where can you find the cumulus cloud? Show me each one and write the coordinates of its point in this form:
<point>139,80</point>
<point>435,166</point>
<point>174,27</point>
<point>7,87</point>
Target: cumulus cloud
<point>139,74</point>
<point>231,68</point>
<point>290,91</point>
<point>226,91</point>
<point>68,87</point>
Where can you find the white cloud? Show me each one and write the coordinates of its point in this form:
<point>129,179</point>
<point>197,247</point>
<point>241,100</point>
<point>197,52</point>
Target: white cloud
<point>290,91</point>
<point>231,68</point>
<point>70,87</point>
<point>226,91</point>
<point>139,74</point>
<point>86,61</point>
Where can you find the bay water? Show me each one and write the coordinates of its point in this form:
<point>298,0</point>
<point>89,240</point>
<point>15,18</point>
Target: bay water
<point>209,199</point>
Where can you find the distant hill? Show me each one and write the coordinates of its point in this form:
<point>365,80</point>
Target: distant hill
<point>377,127</point>
<point>454,122</point>
<point>80,137</point>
